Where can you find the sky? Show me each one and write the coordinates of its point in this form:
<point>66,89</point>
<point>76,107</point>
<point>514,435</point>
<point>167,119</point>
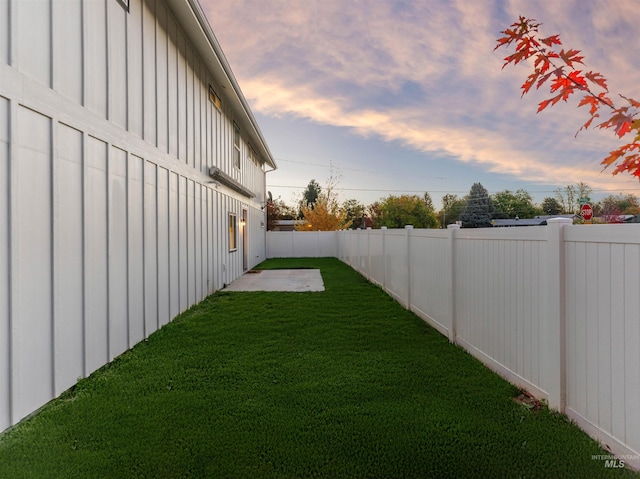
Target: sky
<point>402,97</point>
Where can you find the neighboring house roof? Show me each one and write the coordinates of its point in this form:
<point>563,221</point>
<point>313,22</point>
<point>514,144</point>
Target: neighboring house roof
<point>537,221</point>
<point>287,225</point>
<point>194,21</point>
<point>517,222</point>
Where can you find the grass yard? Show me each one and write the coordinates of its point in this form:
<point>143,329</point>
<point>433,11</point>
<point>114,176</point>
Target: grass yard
<point>343,383</point>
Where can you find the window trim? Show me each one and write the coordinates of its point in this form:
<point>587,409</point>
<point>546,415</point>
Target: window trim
<point>215,98</point>
<point>233,232</point>
<point>237,156</point>
<point>253,156</point>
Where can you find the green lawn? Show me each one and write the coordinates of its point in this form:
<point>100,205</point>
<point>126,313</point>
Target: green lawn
<point>343,383</point>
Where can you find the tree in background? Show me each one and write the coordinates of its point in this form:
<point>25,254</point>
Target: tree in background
<point>612,208</point>
<point>559,68</point>
<point>309,196</point>
<point>373,210</point>
<point>325,213</point>
<point>569,197</point>
<point>566,197</point>
<point>354,212</point>
<point>510,204</point>
<point>479,209</point>
<point>609,211</point>
<point>550,206</point>
<point>428,201</point>
<point>452,206</point>
<point>277,210</point>
<point>628,204</point>
<point>324,216</point>
<point>399,211</point>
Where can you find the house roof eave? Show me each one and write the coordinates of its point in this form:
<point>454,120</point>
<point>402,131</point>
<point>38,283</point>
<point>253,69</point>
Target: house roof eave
<point>193,19</point>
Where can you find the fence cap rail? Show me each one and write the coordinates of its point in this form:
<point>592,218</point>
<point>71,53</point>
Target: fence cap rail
<point>560,221</point>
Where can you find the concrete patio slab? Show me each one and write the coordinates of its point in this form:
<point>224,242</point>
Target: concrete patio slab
<point>293,280</point>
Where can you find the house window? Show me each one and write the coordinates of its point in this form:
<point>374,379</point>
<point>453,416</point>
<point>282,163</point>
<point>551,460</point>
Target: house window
<point>125,4</point>
<point>236,146</point>
<point>215,99</point>
<point>233,232</point>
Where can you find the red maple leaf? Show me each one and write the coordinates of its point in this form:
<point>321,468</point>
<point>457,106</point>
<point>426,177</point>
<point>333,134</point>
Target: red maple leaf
<point>571,56</point>
<point>550,41</point>
<point>577,78</point>
<point>597,79</point>
<point>564,84</point>
<point>590,100</point>
<point>631,101</point>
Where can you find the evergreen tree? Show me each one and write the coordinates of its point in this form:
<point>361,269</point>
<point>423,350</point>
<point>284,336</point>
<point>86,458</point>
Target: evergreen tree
<point>479,209</point>
<point>309,197</point>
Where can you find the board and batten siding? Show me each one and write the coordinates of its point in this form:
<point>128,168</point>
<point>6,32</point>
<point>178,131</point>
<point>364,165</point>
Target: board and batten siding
<point>109,223</point>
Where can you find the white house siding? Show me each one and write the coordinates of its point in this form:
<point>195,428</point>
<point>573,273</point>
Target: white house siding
<point>5,324</point>
<point>109,223</point>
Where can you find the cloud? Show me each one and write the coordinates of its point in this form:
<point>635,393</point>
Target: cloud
<point>425,74</point>
<point>500,151</point>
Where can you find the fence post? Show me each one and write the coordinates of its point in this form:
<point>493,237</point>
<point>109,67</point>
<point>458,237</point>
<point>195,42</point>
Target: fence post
<point>407,230</point>
<point>453,228</point>
<point>556,335</point>
<point>368,230</point>
<point>384,258</point>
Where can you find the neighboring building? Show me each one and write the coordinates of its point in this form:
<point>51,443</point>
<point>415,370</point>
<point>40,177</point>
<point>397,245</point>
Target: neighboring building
<point>132,176</point>
<point>287,225</point>
<point>537,221</point>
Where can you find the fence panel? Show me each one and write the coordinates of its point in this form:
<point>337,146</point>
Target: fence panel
<point>363,252</point>
<point>396,265</point>
<point>603,331</point>
<point>431,277</point>
<point>500,300</point>
<point>327,244</point>
<point>280,244</point>
<point>302,244</point>
<point>376,255</point>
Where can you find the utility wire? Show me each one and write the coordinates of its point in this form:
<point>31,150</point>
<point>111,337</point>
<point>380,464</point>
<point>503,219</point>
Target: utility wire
<point>340,168</point>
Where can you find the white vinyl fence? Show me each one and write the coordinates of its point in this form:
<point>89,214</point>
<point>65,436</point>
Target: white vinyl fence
<point>555,309</point>
<point>308,244</point>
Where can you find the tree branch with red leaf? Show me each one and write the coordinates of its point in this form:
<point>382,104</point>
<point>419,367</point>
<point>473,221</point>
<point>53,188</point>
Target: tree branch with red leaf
<point>559,70</point>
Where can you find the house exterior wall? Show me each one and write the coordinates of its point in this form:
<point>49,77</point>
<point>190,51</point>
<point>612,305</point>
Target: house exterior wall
<point>109,223</point>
